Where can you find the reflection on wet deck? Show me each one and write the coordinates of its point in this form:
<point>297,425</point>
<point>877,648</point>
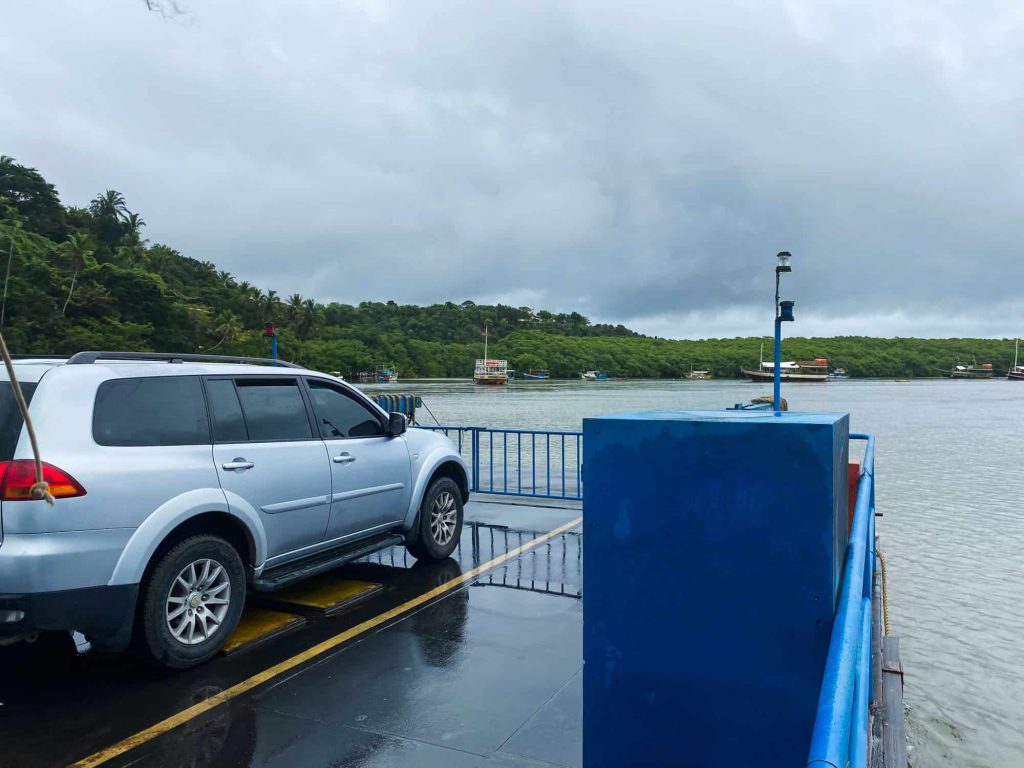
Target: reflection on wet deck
<point>486,675</point>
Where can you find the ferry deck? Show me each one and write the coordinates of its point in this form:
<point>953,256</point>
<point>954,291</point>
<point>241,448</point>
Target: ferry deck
<point>478,660</point>
<point>474,661</point>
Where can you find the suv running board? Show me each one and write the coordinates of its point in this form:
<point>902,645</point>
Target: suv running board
<point>289,573</point>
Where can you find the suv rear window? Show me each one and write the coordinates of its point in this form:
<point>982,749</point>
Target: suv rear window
<point>158,410</point>
<point>10,417</point>
<point>274,409</point>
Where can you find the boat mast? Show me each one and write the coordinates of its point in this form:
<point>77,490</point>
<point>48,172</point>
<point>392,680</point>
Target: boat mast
<point>485,343</point>
<point>1015,345</point>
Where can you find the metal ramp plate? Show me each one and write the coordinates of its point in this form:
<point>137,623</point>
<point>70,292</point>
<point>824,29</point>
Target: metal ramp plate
<point>258,625</point>
<point>324,595</point>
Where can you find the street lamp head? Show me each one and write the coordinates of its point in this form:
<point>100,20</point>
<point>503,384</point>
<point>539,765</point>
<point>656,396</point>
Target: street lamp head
<point>783,266</point>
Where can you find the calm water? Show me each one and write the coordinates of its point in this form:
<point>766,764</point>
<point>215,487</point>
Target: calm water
<point>950,475</point>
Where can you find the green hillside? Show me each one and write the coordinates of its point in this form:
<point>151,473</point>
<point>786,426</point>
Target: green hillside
<point>86,278</point>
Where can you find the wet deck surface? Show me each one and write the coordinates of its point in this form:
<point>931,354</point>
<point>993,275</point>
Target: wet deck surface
<point>487,674</point>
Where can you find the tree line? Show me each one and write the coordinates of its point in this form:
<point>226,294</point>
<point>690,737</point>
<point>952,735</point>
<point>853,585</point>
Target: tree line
<point>86,278</point>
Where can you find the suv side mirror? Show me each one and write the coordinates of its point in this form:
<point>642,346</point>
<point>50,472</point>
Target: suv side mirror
<point>397,424</point>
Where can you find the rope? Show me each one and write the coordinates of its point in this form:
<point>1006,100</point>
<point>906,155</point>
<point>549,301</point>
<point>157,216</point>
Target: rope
<point>885,591</point>
<point>771,401</point>
<point>431,413</point>
<point>41,489</point>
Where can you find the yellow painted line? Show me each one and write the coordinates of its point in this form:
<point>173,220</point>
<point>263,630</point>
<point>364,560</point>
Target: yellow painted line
<point>287,665</point>
<point>258,624</point>
<point>323,592</point>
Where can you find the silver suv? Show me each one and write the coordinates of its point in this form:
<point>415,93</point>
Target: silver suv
<point>183,481</point>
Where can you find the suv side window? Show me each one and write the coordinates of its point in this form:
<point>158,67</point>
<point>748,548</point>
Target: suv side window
<point>156,410</point>
<point>274,409</point>
<point>340,415</point>
<point>225,412</point>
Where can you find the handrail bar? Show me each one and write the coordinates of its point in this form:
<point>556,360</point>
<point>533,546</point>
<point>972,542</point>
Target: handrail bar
<point>846,679</point>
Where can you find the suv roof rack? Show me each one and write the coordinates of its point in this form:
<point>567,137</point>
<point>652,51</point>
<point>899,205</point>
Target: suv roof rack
<point>87,358</point>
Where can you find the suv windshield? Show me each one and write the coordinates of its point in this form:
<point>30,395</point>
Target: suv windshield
<point>10,417</point>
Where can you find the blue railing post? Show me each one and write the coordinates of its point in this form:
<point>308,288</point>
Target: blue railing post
<point>475,441</point>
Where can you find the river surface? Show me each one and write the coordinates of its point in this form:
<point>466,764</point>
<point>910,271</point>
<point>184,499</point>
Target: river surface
<point>950,482</point>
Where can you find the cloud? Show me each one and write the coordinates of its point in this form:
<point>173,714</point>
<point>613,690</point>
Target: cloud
<point>637,163</point>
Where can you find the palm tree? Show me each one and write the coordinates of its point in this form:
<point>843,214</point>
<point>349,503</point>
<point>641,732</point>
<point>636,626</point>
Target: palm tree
<point>132,250</point>
<point>77,249</point>
<point>228,327</point>
<point>270,306</point>
<point>309,317</point>
<point>135,223</point>
<point>109,205</point>
<point>226,278</point>
<point>294,305</point>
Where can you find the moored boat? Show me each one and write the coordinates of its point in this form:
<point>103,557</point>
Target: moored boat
<point>839,373</point>
<point>1017,372</point>
<point>974,371</point>
<point>493,372</point>
<point>536,375</point>
<point>791,371</point>
<point>594,376</point>
<point>490,372</point>
<point>386,374</point>
<point>695,375</point>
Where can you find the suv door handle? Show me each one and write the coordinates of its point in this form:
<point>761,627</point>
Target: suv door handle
<point>344,458</point>
<point>238,463</point>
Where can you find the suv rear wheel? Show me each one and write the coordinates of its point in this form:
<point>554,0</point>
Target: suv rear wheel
<point>192,601</point>
<point>439,524</point>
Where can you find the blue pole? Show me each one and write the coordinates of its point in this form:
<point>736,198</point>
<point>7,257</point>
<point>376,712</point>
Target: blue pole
<point>273,348</point>
<point>777,384</point>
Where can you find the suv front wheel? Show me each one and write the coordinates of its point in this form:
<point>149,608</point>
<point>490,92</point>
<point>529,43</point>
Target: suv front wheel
<point>192,601</point>
<point>439,524</point>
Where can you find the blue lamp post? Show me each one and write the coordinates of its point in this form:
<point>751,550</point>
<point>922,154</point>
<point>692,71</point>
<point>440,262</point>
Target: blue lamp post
<point>783,313</point>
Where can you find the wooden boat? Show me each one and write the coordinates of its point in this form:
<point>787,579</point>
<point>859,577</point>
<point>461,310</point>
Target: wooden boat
<point>536,375</point>
<point>1017,372</point>
<point>801,371</point>
<point>488,371</point>
<point>386,374</point>
<point>493,372</point>
<point>975,371</point>
<point>594,376</point>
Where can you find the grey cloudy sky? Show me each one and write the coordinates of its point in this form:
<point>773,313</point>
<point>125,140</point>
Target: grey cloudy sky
<point>636,162</point>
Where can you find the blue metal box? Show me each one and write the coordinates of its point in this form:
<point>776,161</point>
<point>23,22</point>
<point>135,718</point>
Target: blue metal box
<point>714,544</point>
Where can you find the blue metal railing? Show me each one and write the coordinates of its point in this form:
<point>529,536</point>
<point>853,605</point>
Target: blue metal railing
<point>520,462</point>
<point>840,735</point>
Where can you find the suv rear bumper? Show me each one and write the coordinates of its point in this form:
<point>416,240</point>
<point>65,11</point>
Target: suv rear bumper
<point>105,614</point>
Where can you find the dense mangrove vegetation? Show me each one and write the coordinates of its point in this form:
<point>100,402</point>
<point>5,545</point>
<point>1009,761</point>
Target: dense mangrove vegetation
<point>87,278</point>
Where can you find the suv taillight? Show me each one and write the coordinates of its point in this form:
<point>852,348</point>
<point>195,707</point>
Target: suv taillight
<point>19,476</point>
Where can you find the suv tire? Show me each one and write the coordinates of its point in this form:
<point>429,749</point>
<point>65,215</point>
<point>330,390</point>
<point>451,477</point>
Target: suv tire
<point>183,616</point>
<point>439,523</point>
